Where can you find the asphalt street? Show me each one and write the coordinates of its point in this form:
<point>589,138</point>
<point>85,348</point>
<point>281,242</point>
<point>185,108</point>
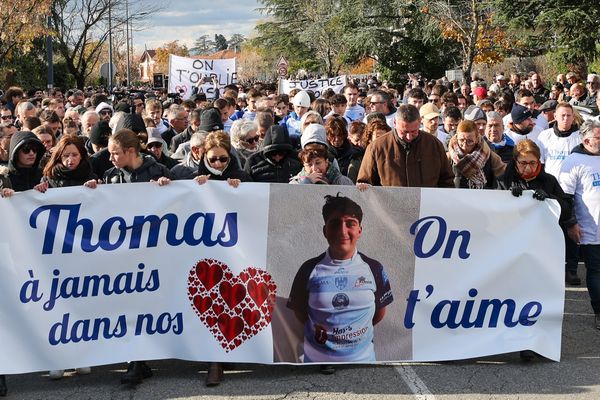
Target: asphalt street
<point>505,376</point>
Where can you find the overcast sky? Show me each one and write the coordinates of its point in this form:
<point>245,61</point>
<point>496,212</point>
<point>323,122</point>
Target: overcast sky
<point>186,20</point>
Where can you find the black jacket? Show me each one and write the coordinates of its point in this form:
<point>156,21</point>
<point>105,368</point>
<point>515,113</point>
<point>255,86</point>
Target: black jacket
<point>349,158</point>
<point>180,138</point>
<point>150,170</point>
<point>232,171</point>
<point>24,178</point>
<point>65,178</point>
<point>100,162</point>
<point>544,181</point>
<point>262,169</point>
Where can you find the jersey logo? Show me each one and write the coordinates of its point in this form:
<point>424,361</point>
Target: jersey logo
<point>340,301</point>
<point>341,282</point>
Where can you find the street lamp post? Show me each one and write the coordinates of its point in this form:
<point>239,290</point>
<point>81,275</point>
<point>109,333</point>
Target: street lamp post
<point>110,50</point>
<point>127,38</point>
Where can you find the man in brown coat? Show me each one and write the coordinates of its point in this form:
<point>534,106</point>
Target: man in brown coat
<point>406,156</point>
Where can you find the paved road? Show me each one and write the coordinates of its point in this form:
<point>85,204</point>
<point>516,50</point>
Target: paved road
<point>577,376</point>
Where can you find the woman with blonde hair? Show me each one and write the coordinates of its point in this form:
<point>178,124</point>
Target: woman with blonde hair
<point>474,163</point>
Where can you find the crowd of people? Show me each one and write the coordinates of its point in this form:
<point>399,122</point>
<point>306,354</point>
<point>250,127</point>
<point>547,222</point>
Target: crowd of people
<point>514,134</point>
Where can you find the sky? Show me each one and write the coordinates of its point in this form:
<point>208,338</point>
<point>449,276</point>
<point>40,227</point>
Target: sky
<point>186,20</point>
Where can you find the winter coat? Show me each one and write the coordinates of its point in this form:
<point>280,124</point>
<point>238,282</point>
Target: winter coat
<point>263,169</point>
<point>389,161</point>
<point>24,178</point>
<point>64,177</point>
<point>150,170</point>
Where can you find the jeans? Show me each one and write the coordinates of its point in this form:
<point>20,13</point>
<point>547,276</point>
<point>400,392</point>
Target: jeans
<point>591,258</point>
<point>571,253</point>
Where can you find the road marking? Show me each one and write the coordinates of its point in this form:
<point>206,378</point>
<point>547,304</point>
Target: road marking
<point>415,383</point>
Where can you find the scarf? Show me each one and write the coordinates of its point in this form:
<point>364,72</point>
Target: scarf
<point>470,165</point>
<point>212,170</point>
<point>81,173</point>
<point>533,174</point>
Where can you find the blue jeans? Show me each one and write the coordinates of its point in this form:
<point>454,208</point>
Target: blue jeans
<point>591,258</point>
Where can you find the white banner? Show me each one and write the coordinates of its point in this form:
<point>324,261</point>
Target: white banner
<point>318,86</point>
<point>212,273</point>
<point>185,73</point>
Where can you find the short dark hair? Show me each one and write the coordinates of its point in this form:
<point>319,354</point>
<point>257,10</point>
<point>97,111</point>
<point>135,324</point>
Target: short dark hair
<point>453,113</point>
<point>343,205</point>
<point>408,113</point>
<point>417,93</point>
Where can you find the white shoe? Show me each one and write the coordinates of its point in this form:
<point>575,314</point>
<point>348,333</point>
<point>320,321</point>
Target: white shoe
<point>83,371</point>
<point>56,374</point>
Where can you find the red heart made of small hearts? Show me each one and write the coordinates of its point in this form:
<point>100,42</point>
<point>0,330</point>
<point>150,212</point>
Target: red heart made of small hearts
<point>234,307</point>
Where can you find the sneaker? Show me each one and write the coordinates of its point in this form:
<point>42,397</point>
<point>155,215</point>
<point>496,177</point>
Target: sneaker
<point>137,371</point>
<point>598,321</point>
<point>572,279</point>
<point>56,374</point>
<point>327,369</point>
<point>83,371</point>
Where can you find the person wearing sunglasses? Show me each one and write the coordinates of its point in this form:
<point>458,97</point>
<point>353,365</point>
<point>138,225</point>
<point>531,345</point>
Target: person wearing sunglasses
<point>474,163</point>
<point>26,152</point>
<point>217,164</point>
<point>6,133</point>
<point>244,139</point>
<point>276,162</point>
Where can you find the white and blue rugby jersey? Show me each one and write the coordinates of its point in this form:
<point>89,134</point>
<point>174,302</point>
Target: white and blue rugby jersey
<point>340,298</point>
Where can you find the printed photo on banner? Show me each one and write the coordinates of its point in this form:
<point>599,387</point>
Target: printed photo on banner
<point>352,271</point>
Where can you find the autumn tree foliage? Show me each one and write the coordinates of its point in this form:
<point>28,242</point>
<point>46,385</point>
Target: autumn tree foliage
<point>21,22</point>
<point>162,55</point>
<point>473,25</point>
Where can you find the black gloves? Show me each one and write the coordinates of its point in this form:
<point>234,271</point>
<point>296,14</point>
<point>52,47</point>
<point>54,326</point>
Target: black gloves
<point>516,191</point>
<point>540,195</point>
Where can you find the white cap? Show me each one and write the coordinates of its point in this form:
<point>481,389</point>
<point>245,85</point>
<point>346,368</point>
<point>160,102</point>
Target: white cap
<point>104,106</point>
<point>302,99</point>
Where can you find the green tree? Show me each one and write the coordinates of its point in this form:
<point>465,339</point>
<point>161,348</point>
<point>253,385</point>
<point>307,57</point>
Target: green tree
<point>236,41</point>
<point>202,45</point>
<point>565,28</point>
<point>220,42</point>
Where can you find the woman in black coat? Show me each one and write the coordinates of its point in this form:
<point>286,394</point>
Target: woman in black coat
<point>218,164</point>
<point>68,166</point>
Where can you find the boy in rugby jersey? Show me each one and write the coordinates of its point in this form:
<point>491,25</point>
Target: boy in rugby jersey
<point>341,294</point>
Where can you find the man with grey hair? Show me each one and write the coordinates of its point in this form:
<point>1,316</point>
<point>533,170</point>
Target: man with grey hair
<point>500,142</point>
<point>178,122</point>
<point>186,135</point>
<point>88,119</point>
<point>24,110</point>
<point>406,156</point>
<point>580,177</point>
<point>593,87</point>
<point>188,168</point>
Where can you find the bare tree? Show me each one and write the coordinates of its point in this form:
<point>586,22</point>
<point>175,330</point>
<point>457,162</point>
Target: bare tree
<point>82,29</point>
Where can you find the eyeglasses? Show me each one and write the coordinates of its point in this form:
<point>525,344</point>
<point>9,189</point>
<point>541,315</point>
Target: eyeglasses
<point>433,99</point>
<point>222,159</point>
<point>251,140</point>
<point>466,141</point>
<point>26,149</point>
<point>5,117</point>
<point>527,163</point>
<point>376,102</point>
<point>154,144</point>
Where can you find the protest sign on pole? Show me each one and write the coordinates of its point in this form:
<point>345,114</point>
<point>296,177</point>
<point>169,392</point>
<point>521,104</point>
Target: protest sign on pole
<point>234,275</point>
<point>185,73</point>
<point>318,86</point>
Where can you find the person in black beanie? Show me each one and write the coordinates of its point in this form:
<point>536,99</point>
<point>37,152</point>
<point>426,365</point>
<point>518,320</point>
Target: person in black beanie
<point>100,159</point>
<point>26,152</point>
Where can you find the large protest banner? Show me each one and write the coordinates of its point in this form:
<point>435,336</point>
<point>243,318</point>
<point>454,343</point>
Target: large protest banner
<point>318,86</point>
<point>213,273</point>
<point>185,73</point>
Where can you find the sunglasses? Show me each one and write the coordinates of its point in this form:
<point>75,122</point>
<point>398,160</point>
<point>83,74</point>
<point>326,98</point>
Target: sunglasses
<point>26,149</point>
<point>6,117</point>
<point>154,144</point>
<point>222,159</point>
<point>251,140</point>
<point>105,112</point>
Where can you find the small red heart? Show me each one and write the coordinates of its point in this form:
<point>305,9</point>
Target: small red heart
<point>218,308</point>
<point>232,294</point>
<point>209,274</point>
<point>193,290</point>
<point>202,303</point>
